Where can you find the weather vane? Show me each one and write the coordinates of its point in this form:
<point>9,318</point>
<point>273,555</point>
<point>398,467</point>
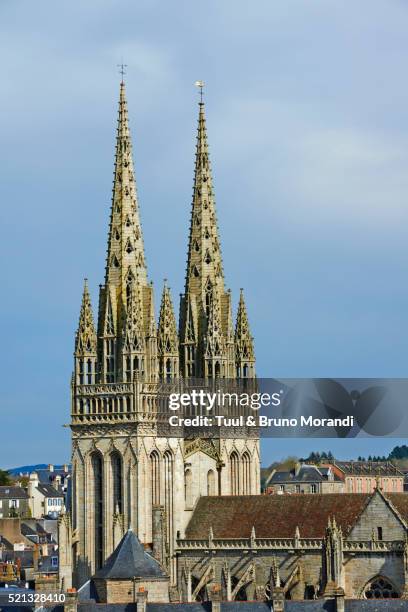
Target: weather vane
<point>200,85</point>
<point>122,70</point>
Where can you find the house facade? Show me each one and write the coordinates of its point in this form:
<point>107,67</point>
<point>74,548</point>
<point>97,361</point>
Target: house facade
<point>304,478</point>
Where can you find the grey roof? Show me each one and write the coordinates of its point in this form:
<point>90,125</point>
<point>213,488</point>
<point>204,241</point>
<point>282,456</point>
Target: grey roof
<point>373,605</point>
<point>319,605</point>
<point>306,473</point>
<point>179,607</point>
<point>91,606</point>
<point>46,476</point>
<point>45,565</point>
<point>7,492</point>
<point>49,491</point>
<point>27,531</point>
<point>130,559</point>
<point>245,606</point>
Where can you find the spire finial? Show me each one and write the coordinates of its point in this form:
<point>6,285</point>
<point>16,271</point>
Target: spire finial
<point>122,70</point>
<point>200,85</point>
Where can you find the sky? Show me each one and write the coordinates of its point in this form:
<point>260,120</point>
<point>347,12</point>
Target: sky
<point>308,129</point>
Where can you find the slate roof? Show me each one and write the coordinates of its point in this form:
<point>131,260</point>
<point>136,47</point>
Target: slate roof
<point>49,491</point>
<point>7,492</point>
<point>179,607</point>
<point>320,605</point>
<point>368,468</point>
<point>46,476</point>
<point>27,531</point>
<point>311,606</point>
<point>374,605</point>
<point>306,473</point>
<point>130,559</point>
<point>275,516</point>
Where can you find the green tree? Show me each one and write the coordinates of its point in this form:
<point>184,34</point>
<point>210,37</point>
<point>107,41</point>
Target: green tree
<point>5,478</point>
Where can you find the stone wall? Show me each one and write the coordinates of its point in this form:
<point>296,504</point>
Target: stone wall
<point>362,568</point>
<point>377,514</point>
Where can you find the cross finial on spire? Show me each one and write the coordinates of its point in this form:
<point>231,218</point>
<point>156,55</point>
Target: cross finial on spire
<point>200,85</point>
<point>122,69</point>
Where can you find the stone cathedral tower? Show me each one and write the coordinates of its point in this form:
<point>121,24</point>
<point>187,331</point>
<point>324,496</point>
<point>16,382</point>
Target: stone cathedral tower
<point>126,472</point>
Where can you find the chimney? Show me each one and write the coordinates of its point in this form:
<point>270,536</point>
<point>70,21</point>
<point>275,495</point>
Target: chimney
<point>158,536</point>
<point>141,600</point>
<point>71,601</point>
<point>65,467</point>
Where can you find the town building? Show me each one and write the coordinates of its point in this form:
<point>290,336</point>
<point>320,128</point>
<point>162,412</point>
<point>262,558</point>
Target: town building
<point>45,500</point>
<point>14,502</point>
<point>29,553</point>
<point>365,476</point>
<point>303,478</point>
<point>57,476</point>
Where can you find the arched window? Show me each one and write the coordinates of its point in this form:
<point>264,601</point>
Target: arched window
<point>188,488</point>
<point>116,471</point>
<point>210,482</point>
<point>168,370</point>
<point>89,371</point>
<point>81,372</point>
<point>234,473</point>
<point>155,472</point>
<point>380,588</point>
<point>97,480</point>
<point>168,480</point>
<point>168,492</point>
<point>246,473</point>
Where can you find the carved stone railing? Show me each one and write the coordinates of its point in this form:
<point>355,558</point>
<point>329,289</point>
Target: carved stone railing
<point>143,401</point>
<point>373,545</point>
<point>287,544</point>
<point>291,544</point>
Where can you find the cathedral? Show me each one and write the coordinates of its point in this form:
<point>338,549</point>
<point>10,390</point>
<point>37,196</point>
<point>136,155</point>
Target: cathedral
<point>130,472</point>
<point>160,516</point>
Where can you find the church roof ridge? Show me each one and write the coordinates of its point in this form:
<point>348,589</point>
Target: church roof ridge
<point>129,560</point>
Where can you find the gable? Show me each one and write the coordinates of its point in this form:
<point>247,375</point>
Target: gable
<point>378,513</point>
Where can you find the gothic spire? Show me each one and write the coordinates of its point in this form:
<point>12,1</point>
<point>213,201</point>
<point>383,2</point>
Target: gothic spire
<point>167,339</point>
<point>85,339</point>
<point>125,259</point>
<point>244,344</point>
<point>204,263</point>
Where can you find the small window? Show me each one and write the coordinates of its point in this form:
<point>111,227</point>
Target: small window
<point>379,533</point>
<point>313,488</point>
